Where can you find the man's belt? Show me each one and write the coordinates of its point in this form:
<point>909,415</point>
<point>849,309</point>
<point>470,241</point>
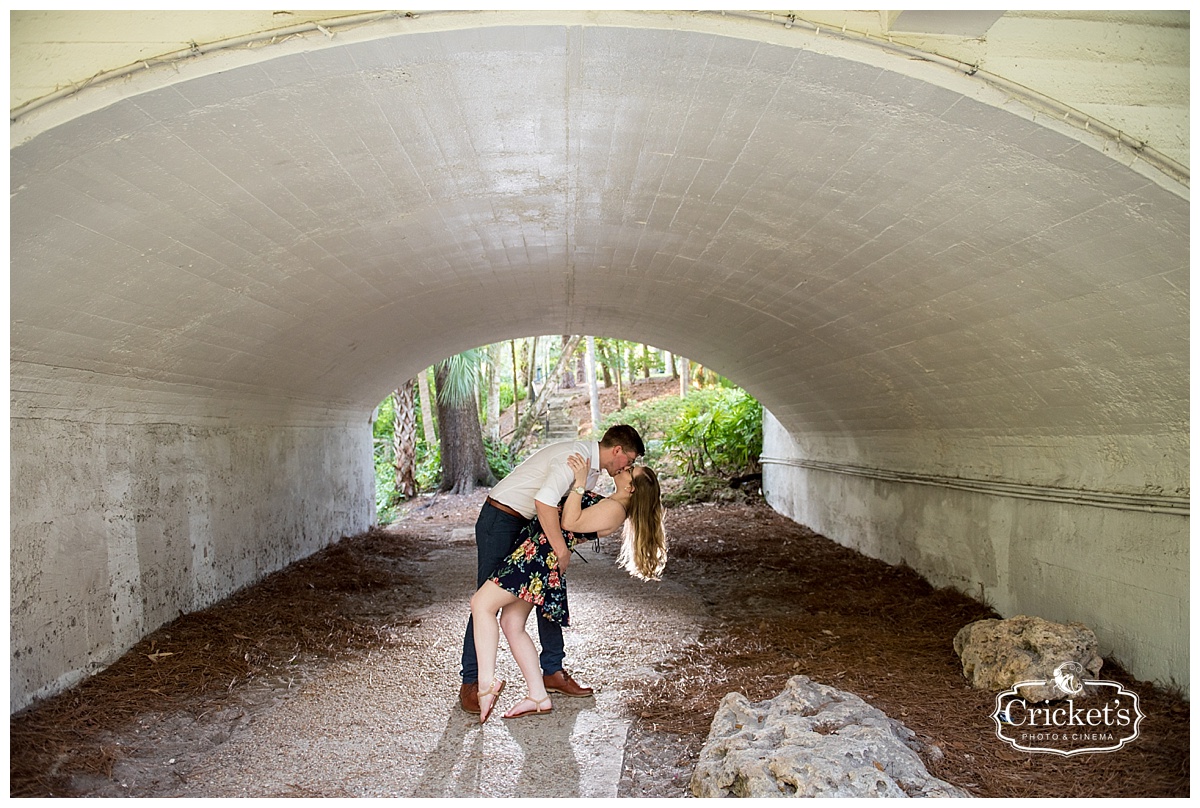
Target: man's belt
<point>500,506</point>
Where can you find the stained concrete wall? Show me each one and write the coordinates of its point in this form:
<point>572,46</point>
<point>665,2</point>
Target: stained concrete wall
<point>119,527</point>
<point>1117,563</point>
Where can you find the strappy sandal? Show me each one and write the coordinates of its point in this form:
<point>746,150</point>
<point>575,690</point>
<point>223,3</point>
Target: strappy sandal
<point>494,691</point>
<point>538,708</point>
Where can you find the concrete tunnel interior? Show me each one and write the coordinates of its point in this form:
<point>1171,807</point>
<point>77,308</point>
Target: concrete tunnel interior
<point>966,318</point>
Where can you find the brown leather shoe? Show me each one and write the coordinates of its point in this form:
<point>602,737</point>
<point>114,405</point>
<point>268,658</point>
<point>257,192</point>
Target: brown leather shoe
<point>468,696</point>
<point>562,682</point>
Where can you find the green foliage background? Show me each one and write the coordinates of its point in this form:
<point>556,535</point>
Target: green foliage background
<point>714,432</point>
<point>703,439</point>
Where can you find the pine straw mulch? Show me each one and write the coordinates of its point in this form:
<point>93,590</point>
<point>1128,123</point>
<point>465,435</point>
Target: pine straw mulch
<point>787,601</point>
<point>205,661</point>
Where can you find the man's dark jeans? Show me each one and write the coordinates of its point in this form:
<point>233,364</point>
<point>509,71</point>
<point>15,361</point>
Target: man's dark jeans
<point>497,534</point>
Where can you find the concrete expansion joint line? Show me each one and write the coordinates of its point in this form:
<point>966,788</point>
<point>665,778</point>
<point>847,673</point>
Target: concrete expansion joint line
<point>1146,503</point>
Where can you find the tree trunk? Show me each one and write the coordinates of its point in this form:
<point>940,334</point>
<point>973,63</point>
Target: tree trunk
<point>645,361</point>
<point>620,386</point>
<point>404,439</point>
<point>669,360</point>
<point>464,462</point>
<point>516,387</point>
<point>568,374</point>
<point>685,376</point>
<point>593,393</point>
<point>532,371</point>
<point>427,430</point>
<point>493,397</point>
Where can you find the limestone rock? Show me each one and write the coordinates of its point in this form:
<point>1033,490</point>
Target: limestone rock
<point>996,654</point>
<point>811,740</point>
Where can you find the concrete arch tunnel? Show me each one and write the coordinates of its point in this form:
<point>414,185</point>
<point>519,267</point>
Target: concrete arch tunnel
<point>967,318</point>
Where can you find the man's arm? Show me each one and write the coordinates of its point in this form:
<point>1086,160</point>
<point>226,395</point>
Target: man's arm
<point>548,518</point>
<point>559,479</point>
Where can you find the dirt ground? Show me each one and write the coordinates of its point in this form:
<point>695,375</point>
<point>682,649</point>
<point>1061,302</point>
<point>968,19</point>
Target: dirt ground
<point>338,677</point>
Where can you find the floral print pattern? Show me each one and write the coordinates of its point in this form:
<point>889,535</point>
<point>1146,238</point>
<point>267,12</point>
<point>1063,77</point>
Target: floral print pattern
<point>530,572</point>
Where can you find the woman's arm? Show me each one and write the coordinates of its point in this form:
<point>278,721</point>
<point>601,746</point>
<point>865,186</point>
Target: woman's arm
<point>602,518</point>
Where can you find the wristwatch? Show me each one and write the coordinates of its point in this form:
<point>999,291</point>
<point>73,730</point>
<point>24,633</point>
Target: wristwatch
<point>579,489</point>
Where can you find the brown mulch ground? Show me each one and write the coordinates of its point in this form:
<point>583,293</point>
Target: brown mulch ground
<point>781,599</point>
<point>298,616</point>
<point>789,601</point>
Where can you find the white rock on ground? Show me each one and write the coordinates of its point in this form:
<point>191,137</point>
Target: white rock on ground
<point>811,740</point>
<point>997,654</point>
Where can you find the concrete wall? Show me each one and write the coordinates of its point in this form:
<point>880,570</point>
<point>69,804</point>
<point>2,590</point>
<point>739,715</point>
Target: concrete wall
<point>118,528</point>
<point>1117,563</point>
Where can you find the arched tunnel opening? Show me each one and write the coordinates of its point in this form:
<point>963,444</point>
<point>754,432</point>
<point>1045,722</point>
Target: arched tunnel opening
<point>966,317</point>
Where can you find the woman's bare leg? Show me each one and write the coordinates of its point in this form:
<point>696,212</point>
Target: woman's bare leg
<point>513,619</point>
<point>486,601</point>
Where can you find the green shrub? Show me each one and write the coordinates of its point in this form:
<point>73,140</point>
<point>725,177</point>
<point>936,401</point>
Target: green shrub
<point>718,433</point>
<point>506,394</point>
<point>385,499</point>
<point>499,456</point>
<point>714,431</point>
<point>651,419</point>
<point>429,466</point>
<point>691,490</point>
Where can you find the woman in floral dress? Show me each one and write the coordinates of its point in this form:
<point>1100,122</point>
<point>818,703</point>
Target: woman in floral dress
<point>531,576</point>
<point>531,571</point>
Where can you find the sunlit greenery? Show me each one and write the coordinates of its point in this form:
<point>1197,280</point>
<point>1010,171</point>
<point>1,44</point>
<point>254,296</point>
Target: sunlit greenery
<point>428,465</point>
<point>719,432</point>
<point>714,431</point>
<point>702,439</point>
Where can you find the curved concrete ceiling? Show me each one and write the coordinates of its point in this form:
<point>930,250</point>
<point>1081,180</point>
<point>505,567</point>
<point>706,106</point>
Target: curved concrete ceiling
<point>870,244</point>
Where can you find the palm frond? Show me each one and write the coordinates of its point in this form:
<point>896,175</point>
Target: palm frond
<point>462,377</point>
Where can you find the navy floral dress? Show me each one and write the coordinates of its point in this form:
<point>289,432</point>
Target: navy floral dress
<point>529,571</point>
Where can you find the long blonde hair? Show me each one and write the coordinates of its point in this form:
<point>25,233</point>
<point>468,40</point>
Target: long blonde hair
<point>644,544</point>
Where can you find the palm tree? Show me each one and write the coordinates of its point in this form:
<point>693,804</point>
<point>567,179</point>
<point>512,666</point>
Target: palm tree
<point>464,461</point>
<point>404,439</point>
